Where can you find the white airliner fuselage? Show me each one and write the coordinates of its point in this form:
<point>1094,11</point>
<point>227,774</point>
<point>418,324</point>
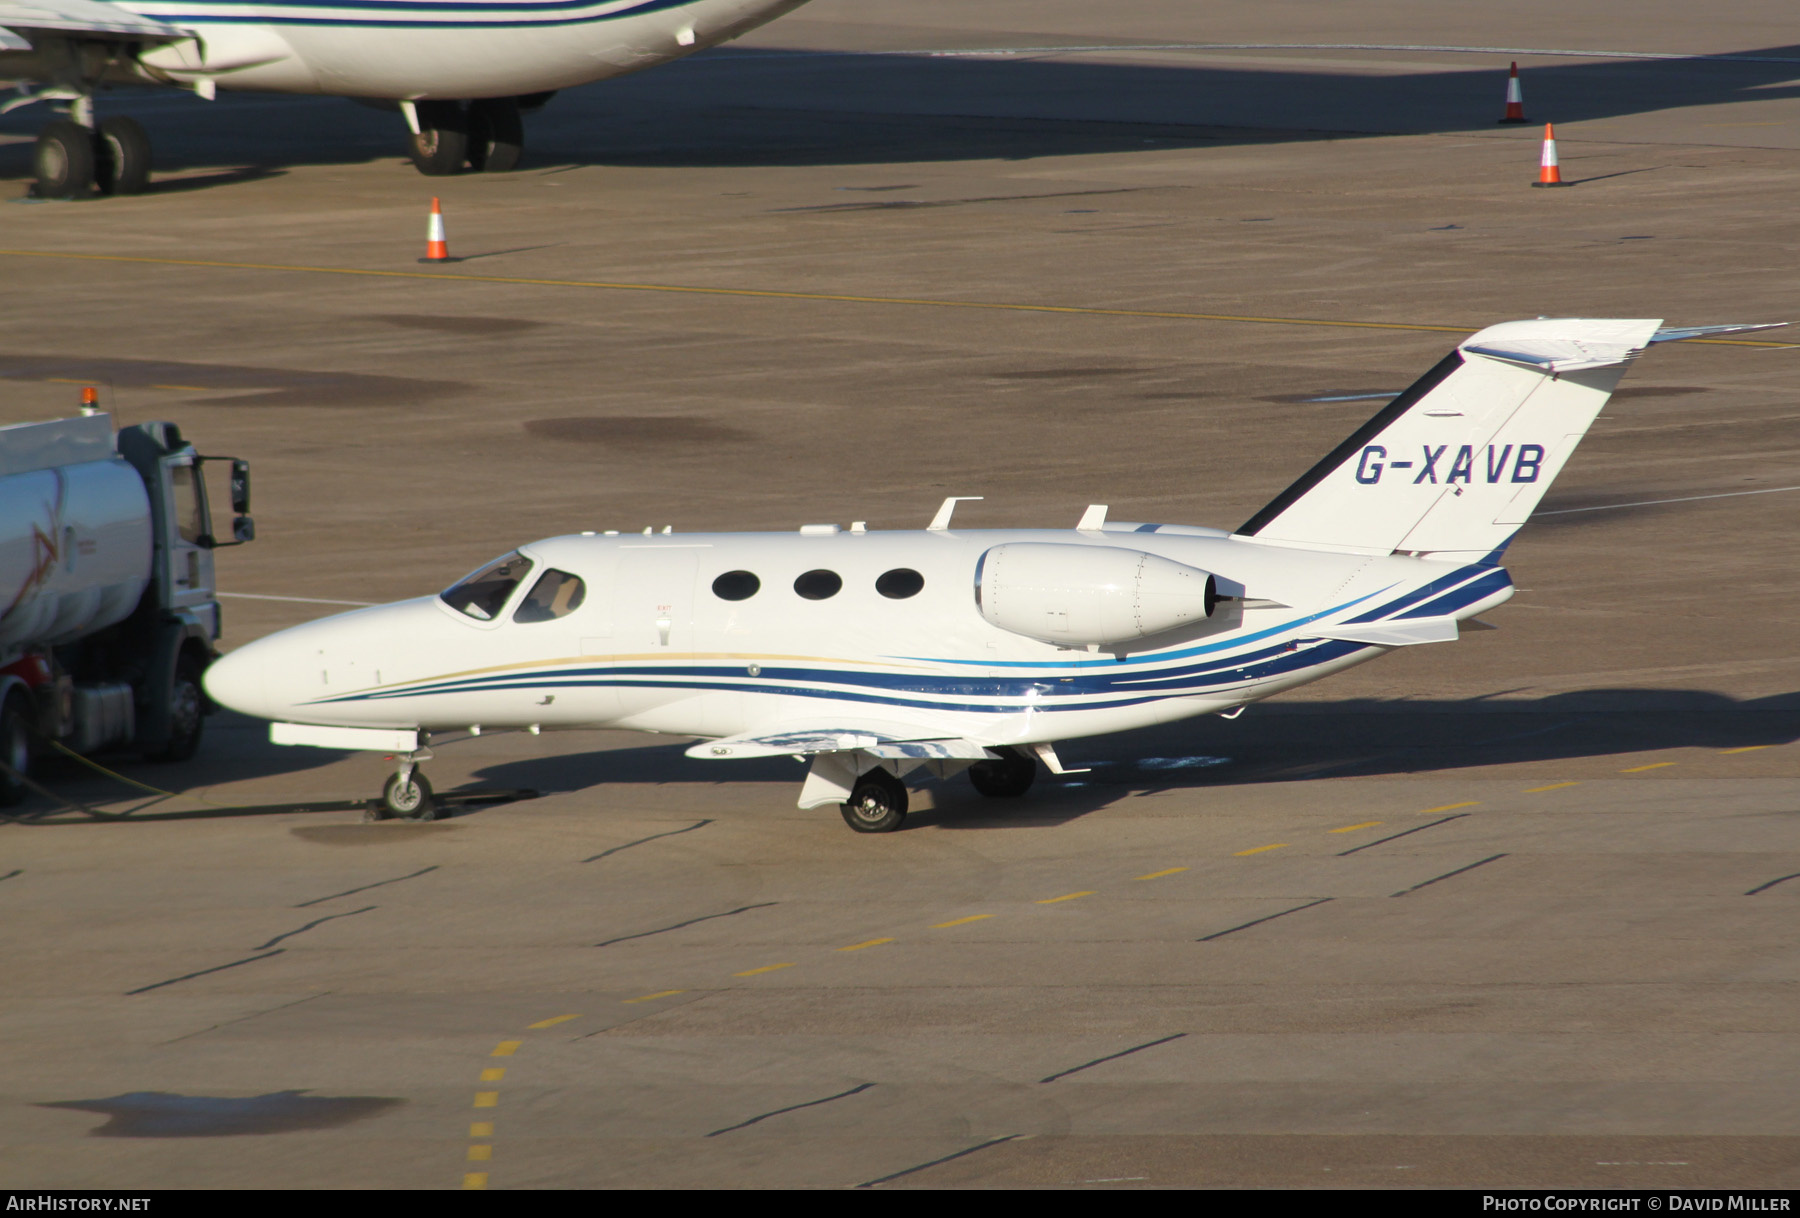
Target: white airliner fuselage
<point>883,654</point>
<point>460,71</point>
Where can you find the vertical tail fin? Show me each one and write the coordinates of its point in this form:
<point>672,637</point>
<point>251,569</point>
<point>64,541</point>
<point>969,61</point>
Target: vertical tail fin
<point>1457,463</point>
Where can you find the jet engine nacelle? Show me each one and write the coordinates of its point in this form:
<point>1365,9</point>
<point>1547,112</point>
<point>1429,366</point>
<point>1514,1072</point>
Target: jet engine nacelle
<point>1089,595</point>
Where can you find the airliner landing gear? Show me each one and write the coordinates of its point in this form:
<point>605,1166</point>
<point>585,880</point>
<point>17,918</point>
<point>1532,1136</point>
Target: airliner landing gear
<point>487,136</point>
<point>406,795</point>
<point>877,803</point>
<point>1006,777</point>
<point>72,159</point>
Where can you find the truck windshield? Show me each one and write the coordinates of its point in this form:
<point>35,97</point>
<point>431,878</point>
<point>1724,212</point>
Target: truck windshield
<point>190,504</point>
<point>483,594</point>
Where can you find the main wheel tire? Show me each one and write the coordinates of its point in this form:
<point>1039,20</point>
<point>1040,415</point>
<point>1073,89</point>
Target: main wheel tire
<point>496,135</point>
<point>877,803</point>
<point>409,800</point>
<point>1006,777</point>
<point>442,145</point>
<point>64,161</point>
<point>187,711</point>
<point>16,726</point>
<point>121,157</point>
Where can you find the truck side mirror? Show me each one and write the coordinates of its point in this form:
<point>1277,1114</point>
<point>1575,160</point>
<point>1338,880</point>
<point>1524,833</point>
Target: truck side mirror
<point>243,528</point>
<point>240,491</point>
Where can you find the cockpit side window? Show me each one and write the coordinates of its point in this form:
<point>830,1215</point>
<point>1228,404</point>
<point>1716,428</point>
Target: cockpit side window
<point>556,594</point>
<point>483,594</point>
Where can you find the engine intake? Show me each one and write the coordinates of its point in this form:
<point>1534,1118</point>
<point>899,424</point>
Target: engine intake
<point>1079,595</point>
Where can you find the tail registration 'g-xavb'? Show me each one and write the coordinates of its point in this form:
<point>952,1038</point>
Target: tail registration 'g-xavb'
<point>883,656</point>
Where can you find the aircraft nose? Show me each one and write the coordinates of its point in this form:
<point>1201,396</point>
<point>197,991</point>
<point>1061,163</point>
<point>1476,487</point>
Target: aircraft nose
<point>236,680</point>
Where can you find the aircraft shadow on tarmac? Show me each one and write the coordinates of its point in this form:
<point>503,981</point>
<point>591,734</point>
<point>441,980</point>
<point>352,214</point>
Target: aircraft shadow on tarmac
<point>1276,742</point>
<point>1267,745</point>
<point>774,107</point>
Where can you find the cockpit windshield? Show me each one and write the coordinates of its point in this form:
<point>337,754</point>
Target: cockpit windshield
<point>483,594</point>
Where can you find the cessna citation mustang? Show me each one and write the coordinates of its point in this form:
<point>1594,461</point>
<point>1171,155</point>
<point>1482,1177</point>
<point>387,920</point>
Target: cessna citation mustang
<point>459,71</point>
<point>884,655</point>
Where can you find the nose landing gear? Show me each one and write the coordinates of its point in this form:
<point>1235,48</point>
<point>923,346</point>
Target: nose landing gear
<point>406,795</point>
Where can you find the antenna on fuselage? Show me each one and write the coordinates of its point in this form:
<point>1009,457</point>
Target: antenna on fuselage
<point>941,521</point>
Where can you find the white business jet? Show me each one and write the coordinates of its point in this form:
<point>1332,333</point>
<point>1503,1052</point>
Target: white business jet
<point>459,71</point>
<point>888,655</point>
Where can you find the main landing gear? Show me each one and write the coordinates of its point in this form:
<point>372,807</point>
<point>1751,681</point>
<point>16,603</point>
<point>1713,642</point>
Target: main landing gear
<point>486,135</point>
<point>1006,777</point>
<point>73,159</point>
<point>877,802</point>
<point>406,795</point>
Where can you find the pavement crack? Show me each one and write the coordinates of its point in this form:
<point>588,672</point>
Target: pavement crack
<point>1232,930</point>
<point>1111,1057</point>
<point>856,1090</point>
<point>1011,1137</point>
<point>1403,833</point>
<point>1434,879</point>
<point>377,884</point>
<point>1751,893</point>
<point>640,841</point>
<point>644,934</point>
<point>315,922</point>
<point>217,968</point>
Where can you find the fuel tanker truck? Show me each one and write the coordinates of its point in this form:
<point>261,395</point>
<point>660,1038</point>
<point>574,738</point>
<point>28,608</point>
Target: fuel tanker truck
<point>108,612</point>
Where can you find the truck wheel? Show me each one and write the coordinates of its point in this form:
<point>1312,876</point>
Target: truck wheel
<point>187,712</point>
<point>15,746</point>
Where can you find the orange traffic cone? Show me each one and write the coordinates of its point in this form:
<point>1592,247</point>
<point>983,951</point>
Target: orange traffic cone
<point>1515,100</point>
<point>1549,172</point>
<point>436,248</point>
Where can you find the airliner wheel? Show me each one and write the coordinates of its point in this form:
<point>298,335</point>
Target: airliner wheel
<point>409,800</point>
<point>1006,777</point>
<point>496,135</point>
<point>877,803</point>
<point>121,156</point>
<point>64,161</point>
<point>442,144</point>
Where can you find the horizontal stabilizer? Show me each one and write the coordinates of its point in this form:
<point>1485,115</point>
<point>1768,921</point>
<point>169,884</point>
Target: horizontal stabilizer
<point>891,743</point>
<point>1404,633</point>
<point>1675,334</point>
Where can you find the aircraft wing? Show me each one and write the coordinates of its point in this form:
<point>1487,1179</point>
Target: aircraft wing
<point>87,17</point>
<point>892,741</point>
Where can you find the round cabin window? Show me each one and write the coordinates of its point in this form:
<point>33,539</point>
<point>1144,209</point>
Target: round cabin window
<point>736,586</point>
<point>819,585</point>
<point>899,583</point>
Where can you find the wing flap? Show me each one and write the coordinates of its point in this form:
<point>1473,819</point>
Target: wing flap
<point>891,742</point>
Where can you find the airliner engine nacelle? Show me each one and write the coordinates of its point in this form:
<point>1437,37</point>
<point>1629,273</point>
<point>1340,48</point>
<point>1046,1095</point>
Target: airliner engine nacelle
<point>1089,595</point>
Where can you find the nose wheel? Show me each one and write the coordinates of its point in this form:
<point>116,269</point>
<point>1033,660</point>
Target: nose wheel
<point>406,795</point>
